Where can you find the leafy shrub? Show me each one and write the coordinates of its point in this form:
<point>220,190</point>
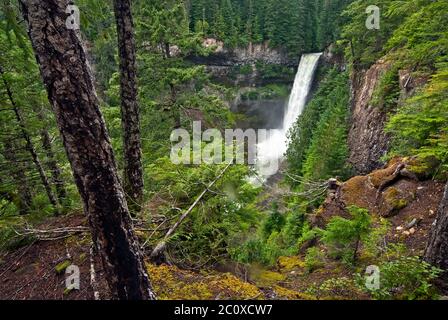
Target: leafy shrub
<point>336,288</point>
<point>9,238</point>
<point>343,237</point>
<point>406,278</point>
<point>274,223</point>
<point>387,92</point>
<point>375,242</point>
<point>314,259</point>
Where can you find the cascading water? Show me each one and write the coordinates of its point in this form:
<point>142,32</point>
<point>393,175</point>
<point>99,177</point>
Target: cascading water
<point>273,148</point>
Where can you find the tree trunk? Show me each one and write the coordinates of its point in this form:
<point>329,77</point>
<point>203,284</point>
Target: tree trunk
<point>130,113</point>
<point>56,173</point>
<point>30,146</point>
<point>64,67</point>
<point>437,250</point>
<point>24,199</point>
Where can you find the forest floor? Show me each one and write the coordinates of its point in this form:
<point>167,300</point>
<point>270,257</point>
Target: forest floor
<point>36,270</point>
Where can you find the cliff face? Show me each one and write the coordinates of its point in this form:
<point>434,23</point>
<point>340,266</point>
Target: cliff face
<point>222,56</point>
<point>366,139</point>
<point>397,193</point>
<point>225,65</point>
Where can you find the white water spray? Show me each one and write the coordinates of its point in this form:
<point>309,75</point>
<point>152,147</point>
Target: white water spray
<point>274,147</point>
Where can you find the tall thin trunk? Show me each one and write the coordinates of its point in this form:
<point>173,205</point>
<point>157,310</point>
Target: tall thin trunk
<point>67,76</point>
<point>56,173</point>
<point>437,249</point>
<point>130,113</point>
<point>30,146</point>
<point>24,199</point>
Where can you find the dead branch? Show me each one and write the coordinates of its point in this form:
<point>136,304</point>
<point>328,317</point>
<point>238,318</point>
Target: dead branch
<point>96,293</point>
<point>159,250</point>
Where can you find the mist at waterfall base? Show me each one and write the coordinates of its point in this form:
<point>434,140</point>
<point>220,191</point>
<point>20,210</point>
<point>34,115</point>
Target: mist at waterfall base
<point>272,150</point>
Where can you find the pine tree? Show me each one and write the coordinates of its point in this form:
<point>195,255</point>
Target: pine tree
<point>64,68</point>
<point>130,111</point>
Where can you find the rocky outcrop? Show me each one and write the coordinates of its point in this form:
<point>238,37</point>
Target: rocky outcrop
<point>253,53</point>
<point>367,141</point>
<point>240,66</point>
<point>395,192</point>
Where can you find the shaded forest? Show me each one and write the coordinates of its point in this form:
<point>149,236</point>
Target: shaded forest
<point>88,111</point>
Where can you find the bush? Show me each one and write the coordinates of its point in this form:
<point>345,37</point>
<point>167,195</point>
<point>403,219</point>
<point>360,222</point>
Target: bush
<point>274,223</point>
<point>314,259</point>
<point>343,237</point>
<point>336,288</point>
<point>9,239</point>
<point>406,278</point>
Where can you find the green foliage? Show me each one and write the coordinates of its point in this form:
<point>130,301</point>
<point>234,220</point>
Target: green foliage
<point>335,288</point>
<point>420,125</point>
<point>271,91</point>
<point>374,243</point>
<point>318,142</point>
<point>407,278</point>
<point>343,237</point>
<point>238,22</point>
<point>274,223</point>
<point>278,235</point>
<point>314,259</point>
<point>387,92</point>
<point>9,237</point>
<point>274,72</point>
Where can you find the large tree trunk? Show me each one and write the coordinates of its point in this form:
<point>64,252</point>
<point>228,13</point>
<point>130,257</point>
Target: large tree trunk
<point>437,250</point>
<point>130,113</point>
<point>30,146</point>
<point>56,173</point>
<point>64,67</point>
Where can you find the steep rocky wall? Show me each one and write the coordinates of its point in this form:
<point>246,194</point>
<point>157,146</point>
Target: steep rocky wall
<point>367,141</point>
<point>253,53</point>
<point>223,63</point>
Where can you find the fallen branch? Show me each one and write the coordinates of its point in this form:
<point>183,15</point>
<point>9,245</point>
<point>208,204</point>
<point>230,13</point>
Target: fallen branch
<point>52,234</point>
<point>158,252</point>
<point>96,293</point>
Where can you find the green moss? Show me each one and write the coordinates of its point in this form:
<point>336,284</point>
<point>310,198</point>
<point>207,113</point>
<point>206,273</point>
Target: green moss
<point>172,283</point>
<point>290,263</point>
<point>61,267</point>
<point>284,293</point>
<point>424,168</point>
<point>393,198</point>
<point>267,278</point>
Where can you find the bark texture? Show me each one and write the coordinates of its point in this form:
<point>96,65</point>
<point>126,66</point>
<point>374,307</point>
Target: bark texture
<point>130,113</point>
<point>64,67</point>
<point>437,249</point>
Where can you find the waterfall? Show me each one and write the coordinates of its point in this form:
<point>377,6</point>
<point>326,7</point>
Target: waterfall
<point>273,148</point>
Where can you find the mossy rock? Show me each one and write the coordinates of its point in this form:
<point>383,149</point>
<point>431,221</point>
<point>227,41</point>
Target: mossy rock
<point>394,201</point>
<point>172,283</point>
<point>267,278</point>
<point>82,257</point>
<point>355,192</point>
<point>288,294</point>
<point>423,168</point>
<point>61,267</point>
<point>378,177</point>
<point>287,264</point>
